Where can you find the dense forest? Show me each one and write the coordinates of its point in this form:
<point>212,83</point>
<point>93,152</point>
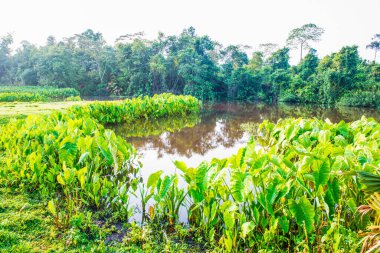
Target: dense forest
<point>196,65</point>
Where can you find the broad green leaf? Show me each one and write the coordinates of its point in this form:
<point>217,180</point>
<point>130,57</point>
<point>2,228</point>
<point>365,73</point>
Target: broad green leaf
<point>335,190</point>
<point>239,185</point>
<point>60,179</point>
<point>51,208</point>
<point>164,187</point>
<point>229,219</point>
<point>153,178</point>
<point>247,228</point>
<point>321,176</point>
<point>123,189</point>
<point>303,212</point>
<point>351,204</point>
<point>324,136</point>
<point>240,157</point>
<point>371,181</point>
<point>67,152</point>
<point>289,164</point>
<point>329,200</point>
<point>284,224</point>
<point>181,166</point>
<point>83,157</point>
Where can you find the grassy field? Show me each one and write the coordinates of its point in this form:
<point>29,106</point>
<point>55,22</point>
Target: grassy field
<point>27,226</point>
<point>22,109</point>
<point>37,94</point>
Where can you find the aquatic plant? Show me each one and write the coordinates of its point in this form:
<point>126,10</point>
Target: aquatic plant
<point>35,93</point>
<point>129,110</point>
<point>74,160</point>
<point>294,187</point>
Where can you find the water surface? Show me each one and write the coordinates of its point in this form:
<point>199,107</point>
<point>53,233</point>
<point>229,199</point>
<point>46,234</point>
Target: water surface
<point>216,132</point>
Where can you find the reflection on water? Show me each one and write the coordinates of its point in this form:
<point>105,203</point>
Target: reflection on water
<point>216,132</point>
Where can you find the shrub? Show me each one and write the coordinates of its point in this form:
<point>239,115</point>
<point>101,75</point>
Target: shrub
<point>20,97</point>
<point>73,159</point>
<point>35,93</point>
<point>360,99</point>
<point>72,98</point>
<point>129,110</point>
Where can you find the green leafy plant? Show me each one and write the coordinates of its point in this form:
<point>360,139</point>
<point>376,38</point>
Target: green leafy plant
<point>37,93</point>
<point>130,110</point>
<point>294,186</point>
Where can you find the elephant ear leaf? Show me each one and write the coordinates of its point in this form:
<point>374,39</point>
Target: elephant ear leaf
<point>181,165</point>
<point>239,185</point>
<point>321,177</point>
<point>247,228</point>
<point>303,212</point>
<point>68,152</point>
<point>371,181</point>
<point>153,178</point>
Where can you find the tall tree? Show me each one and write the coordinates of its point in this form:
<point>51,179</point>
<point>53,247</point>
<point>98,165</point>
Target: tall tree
<point>94,45</point>
<point>302,36</point>
<point>308,65</point>
<point>268,48</point>
<point>25,59</point>
<point>5,55</point>
<point>375,45</point>
<point>279,59</point>
<point>257,61</point>
<point>234,58</point>
<point>51,41</point>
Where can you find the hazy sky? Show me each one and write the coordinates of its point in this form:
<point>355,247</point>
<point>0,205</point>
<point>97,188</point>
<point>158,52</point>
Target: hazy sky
<point>346,22</point>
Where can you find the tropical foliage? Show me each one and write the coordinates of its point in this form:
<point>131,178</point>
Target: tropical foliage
<point>35,93</point>
<point>75,160</point>
<point>196,65</point>
<point>130,110</point>
<point>372,188</point>
<point>294,187</point>
<point>155,127</point>
<point>71,156</point>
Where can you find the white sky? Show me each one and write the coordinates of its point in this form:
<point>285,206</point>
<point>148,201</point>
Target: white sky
<point>253,22</point>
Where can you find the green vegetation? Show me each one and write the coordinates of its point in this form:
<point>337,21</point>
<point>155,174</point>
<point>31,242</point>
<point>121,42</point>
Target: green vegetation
<point>294,187</point>
<point>26,226</point>
<point>145,128</point>
<point>23,109</point>
<point>72,154</point>
<point>298,192</point>
<point>130,110</point>
<point>35,94</point>
<point>199,66</point>
<point>82,177</point>
<point>75,157</point>
<point>76,98</point>
<point>372,187</point>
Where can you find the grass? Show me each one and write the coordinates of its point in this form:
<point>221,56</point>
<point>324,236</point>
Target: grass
<point>26,226</point>
<point>37,93</point>
<point>22,109</point>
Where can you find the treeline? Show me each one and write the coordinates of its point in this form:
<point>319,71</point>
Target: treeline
<point>195,65</point>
